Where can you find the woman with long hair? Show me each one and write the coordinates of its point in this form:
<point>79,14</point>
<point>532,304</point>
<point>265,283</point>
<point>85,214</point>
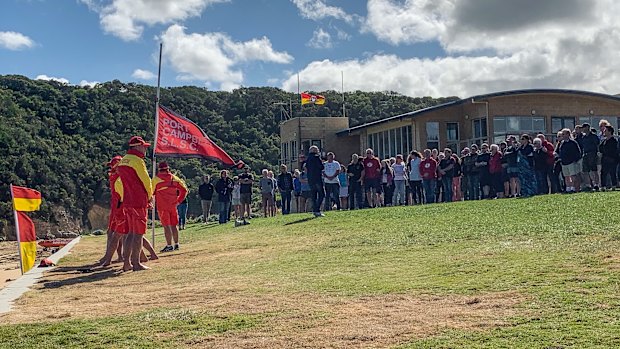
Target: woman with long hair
<point>525,161</point>
<point>415,178</point>
<point>387,182</point>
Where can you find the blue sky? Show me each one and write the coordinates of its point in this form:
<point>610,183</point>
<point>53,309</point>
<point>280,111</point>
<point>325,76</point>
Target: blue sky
<point>415,47</point>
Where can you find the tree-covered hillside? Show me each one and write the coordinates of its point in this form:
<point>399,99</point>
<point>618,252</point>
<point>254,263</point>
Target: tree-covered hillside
<point>57,138</point>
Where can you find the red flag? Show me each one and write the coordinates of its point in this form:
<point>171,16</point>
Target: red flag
<point>180,137</point>
<point>27,240</point>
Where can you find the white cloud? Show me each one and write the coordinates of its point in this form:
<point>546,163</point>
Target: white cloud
<point>51,78</point>
<point>143,74</point>
<point>214,57</point>
<point>84,83</point>
<point>126,18</point>
<point>320,39</point>
<point>273,81</point>
<point>491,45</point>
<point>15,41</point>
<point>318,9</point>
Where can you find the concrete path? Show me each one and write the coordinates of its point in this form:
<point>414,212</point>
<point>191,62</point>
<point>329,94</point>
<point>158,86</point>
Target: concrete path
<point>17,288</point>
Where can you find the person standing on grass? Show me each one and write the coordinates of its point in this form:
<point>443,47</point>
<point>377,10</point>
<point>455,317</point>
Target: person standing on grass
<point>169,191</point>
<point>541,167</point>
<point>274,184</point>
<point>236,198</point>
<point>297,189</point>
<point>387,182</point>
<point>609,159</point>
<point>265,184</point>
<point>457,194</point>
<point>285,184</point>
<point>116,220</point>
<point>511,155</point>
<point>355,171</point>
<point>246,179</point>
<point>428,169</point>
<point>205,191</point>
<point>527,177</point>
<point>400,178</point>
<point>371,177</point>
<point>549,149</point>
<point>415,178</point>
<point>482,163</point>
<point>305,190</point>
<point>331,170</point>
<point>182,212</point>
<point>343,181</point>
<point>590,143</point>
<point>446,170</point>
<point>223,188</point>
<point>137,198</point>
<point>570,156</point>
<point>314,171</point>
<point>495,172</point>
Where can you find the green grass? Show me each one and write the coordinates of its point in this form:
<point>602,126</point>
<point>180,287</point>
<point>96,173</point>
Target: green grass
<point>559,252</point>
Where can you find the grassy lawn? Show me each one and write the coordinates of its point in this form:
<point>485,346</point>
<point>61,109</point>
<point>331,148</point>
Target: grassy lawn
<point>522,273</point>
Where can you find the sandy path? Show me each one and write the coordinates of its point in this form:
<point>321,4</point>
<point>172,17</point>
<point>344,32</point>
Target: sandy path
<point>9,261</point>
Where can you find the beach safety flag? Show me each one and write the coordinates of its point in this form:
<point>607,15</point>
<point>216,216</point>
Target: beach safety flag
<point>25,200</point>
<point>178,136</point>
<point>307,98</point>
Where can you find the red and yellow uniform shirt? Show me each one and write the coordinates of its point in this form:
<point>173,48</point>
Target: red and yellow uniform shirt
<point>169,191</point>
<point>136,190</point>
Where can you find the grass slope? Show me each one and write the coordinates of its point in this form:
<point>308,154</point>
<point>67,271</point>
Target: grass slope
<point>525,273</point>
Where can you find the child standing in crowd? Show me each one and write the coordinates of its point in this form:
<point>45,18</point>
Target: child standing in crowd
<point>415,178</point>
<point>400,177</point>
<point>266,189</point>
<point>344,187</point>
<point>274,186</point>
<point>297,189</point>
<point>305,191</point>
<point>236,198</point>
<point>387,182</point>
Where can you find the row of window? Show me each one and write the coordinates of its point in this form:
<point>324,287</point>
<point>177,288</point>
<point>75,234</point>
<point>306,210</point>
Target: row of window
<point>391,142</point>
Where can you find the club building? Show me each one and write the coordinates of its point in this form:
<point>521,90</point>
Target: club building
<point>455,125</point>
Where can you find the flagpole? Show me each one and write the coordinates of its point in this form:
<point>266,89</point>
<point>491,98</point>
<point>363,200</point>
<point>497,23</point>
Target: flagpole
<point>343,109</point>
<point>298,90</point>
<point>155,143</point>
<point>19,246</point>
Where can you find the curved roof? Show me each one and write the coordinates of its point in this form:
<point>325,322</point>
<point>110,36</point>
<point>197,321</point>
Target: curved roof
<point>479,97</point>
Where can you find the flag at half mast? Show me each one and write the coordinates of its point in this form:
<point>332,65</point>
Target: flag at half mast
<point>307,98</point>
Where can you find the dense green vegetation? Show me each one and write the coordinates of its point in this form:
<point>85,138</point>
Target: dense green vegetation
<point>556,256</point>
<point>56,138</point>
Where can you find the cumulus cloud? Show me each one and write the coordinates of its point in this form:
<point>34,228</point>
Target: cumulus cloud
<point>126,18</point>
<point>318,9</point>
<point>143,74</point>
<point>84,83</point>
<point>491,45</point>
<point>320,39</point>
<point>51,78</point>
<point>15,41</point>
<point>214,57</point>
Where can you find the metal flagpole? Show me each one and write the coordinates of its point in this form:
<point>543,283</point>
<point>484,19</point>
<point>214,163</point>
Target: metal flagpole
<point>19,245</point>
<point>342,77</point>
<point>298,91</point>
<point>155,146</point>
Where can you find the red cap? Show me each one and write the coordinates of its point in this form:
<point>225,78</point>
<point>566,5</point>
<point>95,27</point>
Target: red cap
<point>115,160</point>
<point>137,140</point>
<point>163,166</point>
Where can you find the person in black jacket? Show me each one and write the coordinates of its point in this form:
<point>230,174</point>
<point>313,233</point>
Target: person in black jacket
<point>285,184</point>
<point>570,155</point>
<point>205,191</point>
<point>314,170</point>
<point>224,188</point>
<point>609,160</point>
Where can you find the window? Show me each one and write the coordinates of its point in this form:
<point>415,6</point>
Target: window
<point>432,135</point>
<point>370,141</point>
<point>452,136</point>
<point>294,151</point>
<point>505,126</point>
<point>560,122</point>
<point>390,143</point>
<point>393,144</point>
<point>284,153</point>
<point>409,138</point>
<point>480,130</point>
<point>594,120</point>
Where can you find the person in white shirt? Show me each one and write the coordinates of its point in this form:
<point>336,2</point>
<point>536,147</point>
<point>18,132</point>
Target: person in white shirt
<point>400,176</point>
<point>332,184</point>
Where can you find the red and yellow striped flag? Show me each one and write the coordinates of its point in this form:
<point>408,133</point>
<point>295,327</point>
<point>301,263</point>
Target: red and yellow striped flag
<point>307,98</point>
<point>27,238</point>
<point>25,199</point>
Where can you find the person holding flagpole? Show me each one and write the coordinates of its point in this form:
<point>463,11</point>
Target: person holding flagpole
<point>169,192</point>
<point>137,198</point>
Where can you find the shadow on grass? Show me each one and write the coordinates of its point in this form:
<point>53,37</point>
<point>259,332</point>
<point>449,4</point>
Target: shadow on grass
<point>300,221</point>
<point>96,275</point>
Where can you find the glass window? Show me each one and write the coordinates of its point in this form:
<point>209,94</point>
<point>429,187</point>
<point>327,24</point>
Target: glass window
<point>512,124</point>
<point>409,139</point>
<point>386,144</point>
<point>560,122</point>
<point>538,125</point>
<point>369,145</point>
<point>432,134</point>
<point>381,145</point>
<point>294,150</point>
<point>452,131</point>
<point>499,125</point>
<point>393,144</point>
<point>525,124</point>
<point>399,141</point>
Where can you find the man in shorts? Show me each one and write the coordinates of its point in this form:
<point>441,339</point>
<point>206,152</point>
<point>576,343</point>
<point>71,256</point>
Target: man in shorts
<point>371,177</point>
<point>116,221</point>
<point>169,191</point>
<point>570,156</point>
<point>246,180</point>
<point>590,143</point>
<point>137,194</point>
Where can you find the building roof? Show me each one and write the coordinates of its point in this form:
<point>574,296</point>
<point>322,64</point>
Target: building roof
<point>478,97</point>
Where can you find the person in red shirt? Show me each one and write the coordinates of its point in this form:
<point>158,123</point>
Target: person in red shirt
<point>428,170</point>
<point>371,177</point>
<point>496,170</point>
<point>137,194</point>
<point>116,220</point>
<point>169,191</point>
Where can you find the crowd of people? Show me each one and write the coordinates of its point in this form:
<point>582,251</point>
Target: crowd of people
<point>582,159</point>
